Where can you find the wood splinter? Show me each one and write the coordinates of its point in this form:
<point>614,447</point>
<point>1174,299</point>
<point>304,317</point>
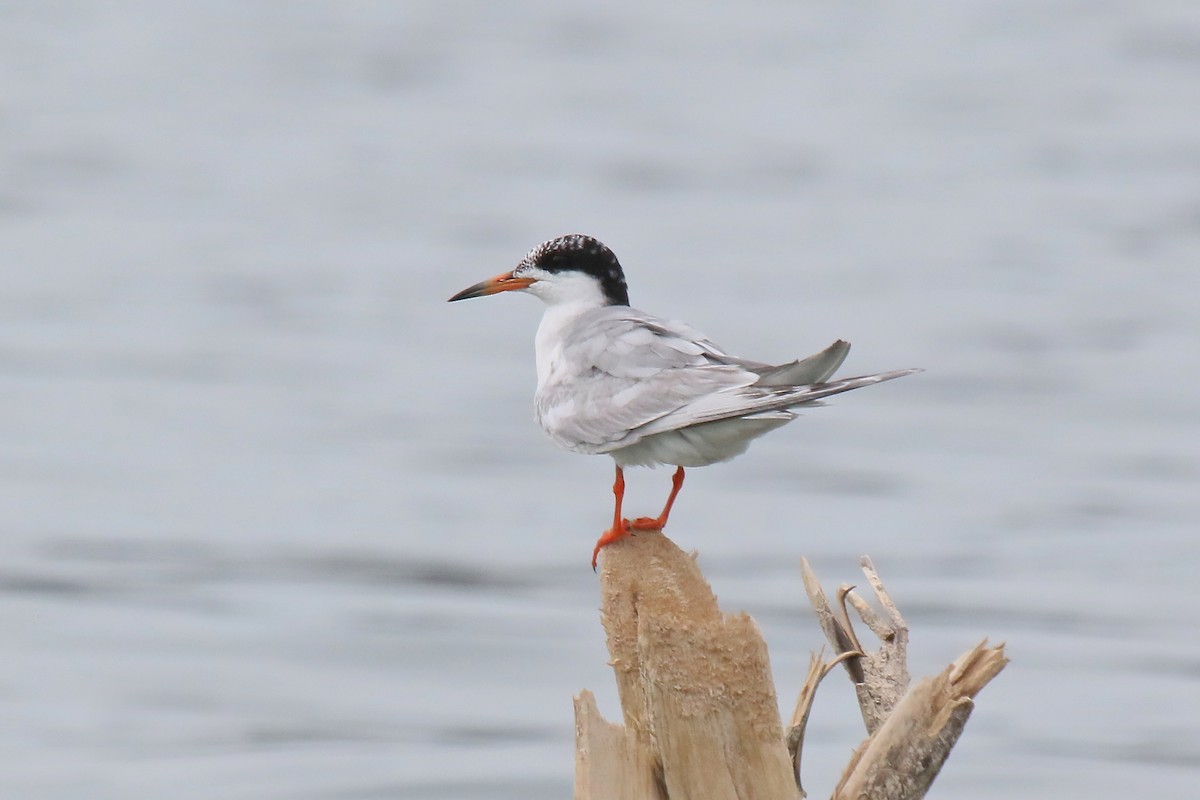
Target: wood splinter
<point>911,730</point>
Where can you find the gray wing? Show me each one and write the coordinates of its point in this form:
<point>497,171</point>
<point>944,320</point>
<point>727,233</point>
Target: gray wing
<point>629,369</point>
<point>635,375</point>
<point>816,368</point>
<point>759,401</point>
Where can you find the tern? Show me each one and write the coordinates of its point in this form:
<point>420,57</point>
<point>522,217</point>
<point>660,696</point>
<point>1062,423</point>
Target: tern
<point>644,390</point>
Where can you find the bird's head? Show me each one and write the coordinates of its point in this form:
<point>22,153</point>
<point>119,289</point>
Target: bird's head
<point>568,269</point>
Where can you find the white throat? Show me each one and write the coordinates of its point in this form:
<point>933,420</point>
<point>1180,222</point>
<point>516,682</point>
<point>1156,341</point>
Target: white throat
<point>566,295</point>
<point>548,343</point>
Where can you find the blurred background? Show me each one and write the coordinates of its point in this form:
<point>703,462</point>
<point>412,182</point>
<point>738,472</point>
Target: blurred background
<point>276,521</point>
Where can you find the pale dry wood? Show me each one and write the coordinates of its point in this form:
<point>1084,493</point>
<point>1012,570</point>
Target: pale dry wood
<point>608,761</point>
<point>839,636</point>
<point>901,759</point>
<point>880,676</point>
<point>701,719</point>
<point>799,722</point>
<point>695,684</point>
<point>911,730</point>
<point>818,668</point>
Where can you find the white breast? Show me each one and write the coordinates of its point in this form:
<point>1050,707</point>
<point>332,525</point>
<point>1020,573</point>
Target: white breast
<point>548,344</point>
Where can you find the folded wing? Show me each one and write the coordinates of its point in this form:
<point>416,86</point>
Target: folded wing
<point>631,375</point>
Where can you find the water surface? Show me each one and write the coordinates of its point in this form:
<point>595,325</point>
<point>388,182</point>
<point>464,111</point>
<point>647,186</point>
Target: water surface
<point>277,521</point>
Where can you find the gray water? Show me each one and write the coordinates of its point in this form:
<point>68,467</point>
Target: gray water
<point>277,523</point>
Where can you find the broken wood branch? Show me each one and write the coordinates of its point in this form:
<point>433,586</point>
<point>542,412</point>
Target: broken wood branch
<point>701,718</point>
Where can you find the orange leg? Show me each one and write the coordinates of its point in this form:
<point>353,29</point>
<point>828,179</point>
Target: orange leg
<point>657,524</point>
<point>620,526</point>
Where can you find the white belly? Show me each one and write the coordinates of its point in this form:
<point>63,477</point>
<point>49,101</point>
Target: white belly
<point>699,445</point>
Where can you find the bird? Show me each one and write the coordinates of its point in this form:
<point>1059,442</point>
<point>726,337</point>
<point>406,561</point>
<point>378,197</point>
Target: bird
<point>645,390</point>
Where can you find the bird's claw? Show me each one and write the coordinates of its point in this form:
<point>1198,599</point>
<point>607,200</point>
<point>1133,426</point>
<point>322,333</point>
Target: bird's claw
<point>608,537</point>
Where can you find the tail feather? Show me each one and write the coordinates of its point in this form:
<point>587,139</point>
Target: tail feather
<point>759,400</point>
<point>816,368</point>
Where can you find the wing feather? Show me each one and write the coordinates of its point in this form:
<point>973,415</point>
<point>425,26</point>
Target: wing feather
<point>755,400</point>
<point>619,370</point>
<point>621,375</point>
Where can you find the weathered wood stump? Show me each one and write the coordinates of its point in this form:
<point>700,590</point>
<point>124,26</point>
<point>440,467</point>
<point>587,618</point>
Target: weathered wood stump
<point>701,717</point>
